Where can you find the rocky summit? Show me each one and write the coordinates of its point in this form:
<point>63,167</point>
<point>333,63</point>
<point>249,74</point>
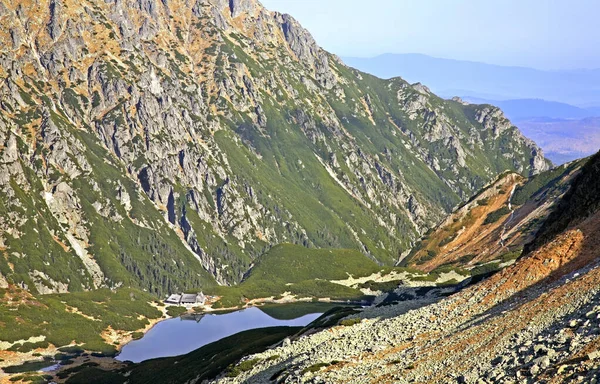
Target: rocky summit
<point>166,145</point>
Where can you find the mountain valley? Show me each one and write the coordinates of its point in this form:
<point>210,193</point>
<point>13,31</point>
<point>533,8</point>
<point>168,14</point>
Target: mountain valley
<point>150,148</point>
<point>530,318</point>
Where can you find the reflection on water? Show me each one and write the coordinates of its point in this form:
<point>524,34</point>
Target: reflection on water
<point>182,335</point>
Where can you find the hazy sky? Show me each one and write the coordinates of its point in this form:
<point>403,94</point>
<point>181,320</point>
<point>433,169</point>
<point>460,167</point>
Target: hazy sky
<point>548,34</point>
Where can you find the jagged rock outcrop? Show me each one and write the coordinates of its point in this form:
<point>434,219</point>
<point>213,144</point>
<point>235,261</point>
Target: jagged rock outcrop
<point>196,134</point>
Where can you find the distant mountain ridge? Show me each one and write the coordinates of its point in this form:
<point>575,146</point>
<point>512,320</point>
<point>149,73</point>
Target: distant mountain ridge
<point>564,140</point>
<point>521,109</point>
<point>450,78</point>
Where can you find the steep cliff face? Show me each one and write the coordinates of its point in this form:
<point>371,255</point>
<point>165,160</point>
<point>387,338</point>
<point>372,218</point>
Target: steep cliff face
<point>167,144</point>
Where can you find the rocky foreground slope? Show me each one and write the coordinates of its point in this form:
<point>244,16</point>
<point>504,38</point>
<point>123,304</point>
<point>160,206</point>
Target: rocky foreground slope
<point>165,145</point>
<point>536,321</point>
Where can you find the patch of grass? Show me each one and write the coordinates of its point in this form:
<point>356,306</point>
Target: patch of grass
<point>496,215</point>
<point>447,240</point>
<point>28,347</point>
<point>465,259</point>
<point>509,256</point>
<point>175,311</point>
<point>385,286</point>
<point>542,181</point>
<point>323,288</point>
<point>485,269</point>
<point>31,378</point>
<point>315,367</point>
<point>449,283</point>
<point>350,322</point>
<point>73,350</point>
<point>484,201</point>
<point>429,255</point>
<point>302,271</point>
<point>244,366</point>
<point>433,276</point>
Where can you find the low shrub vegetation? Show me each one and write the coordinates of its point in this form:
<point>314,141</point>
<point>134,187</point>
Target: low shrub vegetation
<point>175,311</point>
<point>315,367</point>
<point>496,215</point>
<point>244,366</point>
<point>125,309</point>
<point>303,272</point>
<point>350,322</point>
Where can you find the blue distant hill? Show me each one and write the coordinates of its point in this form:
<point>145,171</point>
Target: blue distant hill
<point>522,109</point>
<point>493,82</point>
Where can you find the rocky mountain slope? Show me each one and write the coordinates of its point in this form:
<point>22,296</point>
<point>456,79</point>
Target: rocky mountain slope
<point>493,227</point>
<point>535,321</point>
<point>167,144</point>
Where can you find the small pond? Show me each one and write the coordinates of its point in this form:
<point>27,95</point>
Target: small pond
<point>179,336</point>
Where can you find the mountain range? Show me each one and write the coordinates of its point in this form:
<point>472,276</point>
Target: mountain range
<point>156,147</point>
<point>524,109</point>
<point>511,295</point>
<point>168,145</point>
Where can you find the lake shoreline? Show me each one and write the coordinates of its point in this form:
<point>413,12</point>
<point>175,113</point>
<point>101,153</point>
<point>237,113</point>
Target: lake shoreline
<point>124,338</point>
<point>184,334</point>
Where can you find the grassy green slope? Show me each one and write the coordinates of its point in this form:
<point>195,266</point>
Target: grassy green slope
<point>294,264</point>
<point>289,178</point>
<point>52,316</point>
<point>303,272</point>
<point>545,182</point>
<point>578,203</point>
